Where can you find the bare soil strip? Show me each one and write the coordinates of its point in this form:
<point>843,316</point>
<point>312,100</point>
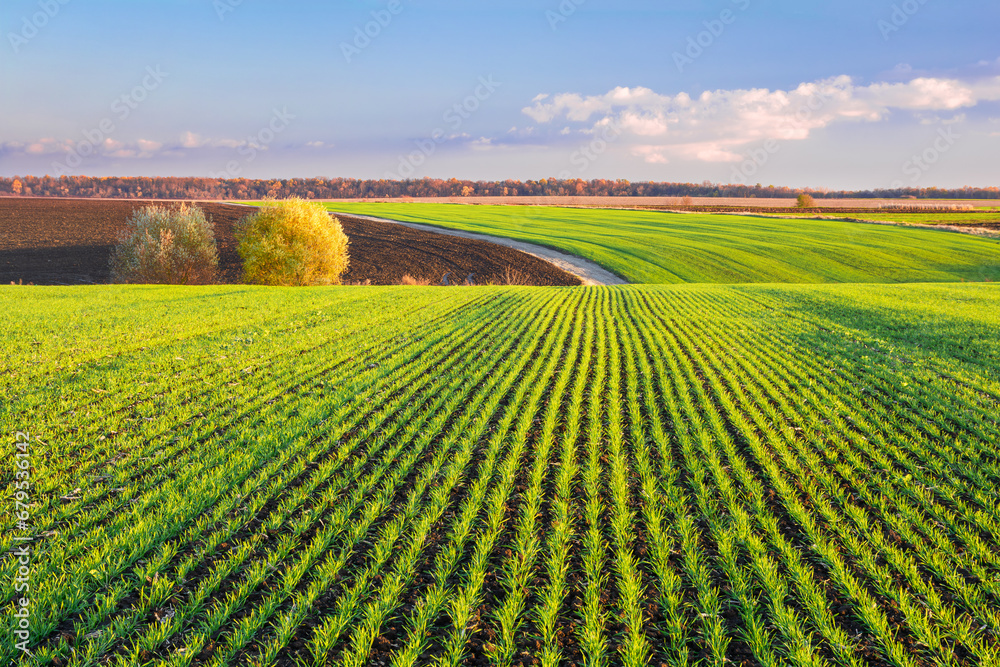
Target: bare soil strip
<point>588,272</point>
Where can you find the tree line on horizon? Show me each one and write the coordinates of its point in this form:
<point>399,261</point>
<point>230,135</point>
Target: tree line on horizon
<point>171,187</point>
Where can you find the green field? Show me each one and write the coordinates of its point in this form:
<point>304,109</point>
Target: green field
<point>647,475</point>
<point>664,248</point>
<point>930,218</point>
<point>934,218</point>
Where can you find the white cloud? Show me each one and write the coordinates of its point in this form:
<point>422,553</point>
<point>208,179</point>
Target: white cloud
<point>714,126</point>
<point>936,94</point>
<point>192,140</point>
<point>651,154</point>
<point>934,119</point>
<point>113,148</point>
<point>45,146</point>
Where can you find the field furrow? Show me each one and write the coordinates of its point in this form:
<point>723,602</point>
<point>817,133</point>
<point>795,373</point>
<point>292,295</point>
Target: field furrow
<point>632,476</point>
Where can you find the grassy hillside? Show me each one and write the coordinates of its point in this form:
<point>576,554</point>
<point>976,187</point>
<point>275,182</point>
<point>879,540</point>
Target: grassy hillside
<point>970,218</point>
<point>638,475</point>
<point>648,247</point>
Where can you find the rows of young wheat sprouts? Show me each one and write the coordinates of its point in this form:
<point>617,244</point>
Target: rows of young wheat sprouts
<point>636,476</point>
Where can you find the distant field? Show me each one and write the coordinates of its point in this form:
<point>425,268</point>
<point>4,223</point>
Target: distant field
<point>983,217</point>
<point>644,475</point>
<point>751,202</point>
<point>656,247</point>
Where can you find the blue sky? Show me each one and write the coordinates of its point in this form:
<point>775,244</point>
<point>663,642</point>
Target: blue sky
<point>842,95</point>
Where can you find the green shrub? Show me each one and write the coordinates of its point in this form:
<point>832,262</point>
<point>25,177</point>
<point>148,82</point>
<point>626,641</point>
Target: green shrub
<point>806,201</point>
<point>292,242</point>
<point>166,246</point>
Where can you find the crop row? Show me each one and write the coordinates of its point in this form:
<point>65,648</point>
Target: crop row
<point>636,476</point>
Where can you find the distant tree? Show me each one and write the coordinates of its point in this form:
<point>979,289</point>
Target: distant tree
<point>805,201</point>
<point>350,188</point>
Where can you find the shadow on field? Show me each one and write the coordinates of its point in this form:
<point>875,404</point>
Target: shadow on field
<point>65,265</point>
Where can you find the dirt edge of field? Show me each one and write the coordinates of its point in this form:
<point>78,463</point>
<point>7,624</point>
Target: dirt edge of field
<point>589,273</point>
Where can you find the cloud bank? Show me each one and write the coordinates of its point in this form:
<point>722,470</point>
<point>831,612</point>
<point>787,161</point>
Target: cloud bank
<point>713,126</point>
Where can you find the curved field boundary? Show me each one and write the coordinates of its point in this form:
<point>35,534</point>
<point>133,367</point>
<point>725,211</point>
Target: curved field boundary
<point>659,248</point>
<point>589,272</point>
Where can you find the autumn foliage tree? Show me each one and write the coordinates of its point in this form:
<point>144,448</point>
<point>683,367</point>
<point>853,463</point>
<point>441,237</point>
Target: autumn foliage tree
<point>292,243</point>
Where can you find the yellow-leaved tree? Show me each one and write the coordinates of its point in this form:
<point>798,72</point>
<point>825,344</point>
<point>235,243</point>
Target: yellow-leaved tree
<point>291,243</point>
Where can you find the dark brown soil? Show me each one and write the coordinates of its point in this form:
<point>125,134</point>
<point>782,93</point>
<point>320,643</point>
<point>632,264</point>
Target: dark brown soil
<point>383,252</point>
<point>69,241</point>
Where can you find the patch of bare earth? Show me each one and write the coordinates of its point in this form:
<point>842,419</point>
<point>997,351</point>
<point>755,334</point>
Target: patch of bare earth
<point>69,241</point>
